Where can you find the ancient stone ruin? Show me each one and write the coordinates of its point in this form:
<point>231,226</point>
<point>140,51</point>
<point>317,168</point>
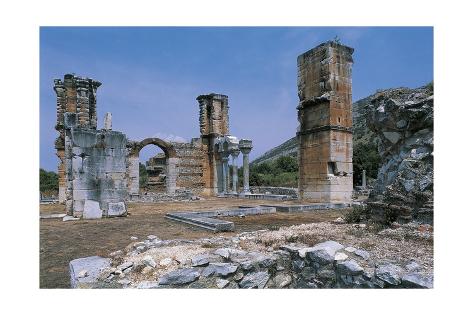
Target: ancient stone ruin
<point>99,168</point>
<point>325,118</point>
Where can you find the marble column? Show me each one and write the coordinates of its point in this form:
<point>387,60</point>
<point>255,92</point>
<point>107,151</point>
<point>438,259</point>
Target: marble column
<point>245,147</point>
<point>224,172</point>
<point>363,179</point>
<point>235,171</point>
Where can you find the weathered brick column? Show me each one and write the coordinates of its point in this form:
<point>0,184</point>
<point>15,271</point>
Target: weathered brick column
<point>245,147</point>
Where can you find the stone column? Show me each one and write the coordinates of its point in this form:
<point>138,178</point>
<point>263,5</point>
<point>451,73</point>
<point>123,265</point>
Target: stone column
<point>224,172</point>
<point>245,147</point>
<point>171,175</point>
<point>107,121</point>
<point>235,171</point>
<point>363,179</point>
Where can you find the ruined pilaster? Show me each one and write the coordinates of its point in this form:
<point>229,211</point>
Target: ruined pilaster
<point>325,117</point>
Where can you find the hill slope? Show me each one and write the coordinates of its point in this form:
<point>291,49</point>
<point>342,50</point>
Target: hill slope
<point>360,133</point>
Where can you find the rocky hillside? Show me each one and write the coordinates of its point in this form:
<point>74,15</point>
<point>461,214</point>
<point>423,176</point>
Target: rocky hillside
<point>402,120</point>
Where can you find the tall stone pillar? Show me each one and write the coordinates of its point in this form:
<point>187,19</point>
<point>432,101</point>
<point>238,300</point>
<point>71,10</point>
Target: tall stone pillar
<point>363,179</point>
<point>224,172</point>
<point>325,118</point>
<point>235,154</point>
<point>245,147</point>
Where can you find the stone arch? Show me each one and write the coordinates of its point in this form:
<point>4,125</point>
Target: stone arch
<point>167,147</point>
<point>134,162</point>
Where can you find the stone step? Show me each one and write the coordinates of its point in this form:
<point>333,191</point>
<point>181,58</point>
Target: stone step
<point>208,223</point>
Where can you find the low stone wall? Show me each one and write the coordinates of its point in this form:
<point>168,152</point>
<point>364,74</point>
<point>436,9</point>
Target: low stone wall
<point>275,190</point>
<point>220,263</point>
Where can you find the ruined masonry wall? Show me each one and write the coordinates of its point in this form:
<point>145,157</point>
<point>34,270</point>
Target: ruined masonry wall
<point>96,169</point>
<point>190,166</point>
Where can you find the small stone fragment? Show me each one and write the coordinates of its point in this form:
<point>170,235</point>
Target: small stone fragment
<point>165,262</point>
<point>149,261</point>
<point>222,283</point>
<point>340,256</point>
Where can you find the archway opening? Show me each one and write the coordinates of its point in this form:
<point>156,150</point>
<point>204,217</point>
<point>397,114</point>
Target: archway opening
<point>153,169</point>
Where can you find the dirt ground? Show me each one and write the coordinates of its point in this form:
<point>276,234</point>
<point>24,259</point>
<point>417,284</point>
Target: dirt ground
<point>60,242</point>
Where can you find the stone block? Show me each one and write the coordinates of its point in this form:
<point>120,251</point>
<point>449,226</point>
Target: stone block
<point>84,272</point>
<point>116,209</point>
<point>92,210</point>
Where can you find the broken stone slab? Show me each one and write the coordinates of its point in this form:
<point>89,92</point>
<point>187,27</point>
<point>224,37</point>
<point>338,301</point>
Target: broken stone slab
<point>417,280</point>
<point>165,262</point>
<point>116,209</point>
<point>340,256</point>
<point>69,218</point>
<point>84,272</point>
<point>149,261</point>
<point>291,248</point>
<point>413,266</point>
<point>255,280</point>
<point>52,216</point>
<point>92,210</point>
<point>180,276</point>
<point>349,267</point>
<point>330,247</point>
<point>200,260</point>
<point>282,280</point>
<point>222,283</point>
<point>152,237</point>
<point>362,253</point>
<point>148,285</point>
<point>223,252</point>
<point>219,269</point>
<point>124,266</point>
<point>389,273</point>
<point>350,249</point>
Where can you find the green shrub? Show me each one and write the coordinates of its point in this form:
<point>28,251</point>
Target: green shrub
<point>357,214</point>
<point>48,182</point>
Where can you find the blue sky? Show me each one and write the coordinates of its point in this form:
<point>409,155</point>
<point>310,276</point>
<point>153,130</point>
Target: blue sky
<point>152,76</point>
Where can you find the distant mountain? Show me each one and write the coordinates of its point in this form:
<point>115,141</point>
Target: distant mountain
<point>360,134</point>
